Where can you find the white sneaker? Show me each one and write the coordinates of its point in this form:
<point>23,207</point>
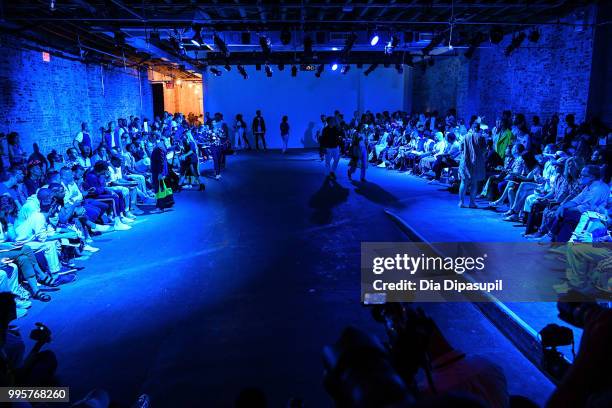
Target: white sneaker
<point>88,241</point>
<point>126,220</point>
<point>130,214</point>
<point>23,304</point>
<point>119,226</point>
<point>101,228</point>
<point>218,177</point>
<point>21,312</point>
<point>89,248</point>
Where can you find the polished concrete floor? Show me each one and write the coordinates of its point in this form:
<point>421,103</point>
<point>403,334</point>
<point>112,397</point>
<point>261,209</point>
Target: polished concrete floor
<point>242,286</point>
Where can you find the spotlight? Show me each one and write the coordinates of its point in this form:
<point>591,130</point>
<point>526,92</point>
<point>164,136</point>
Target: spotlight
<point>374,40</point>
<point>178,82</point>
<point>370,69</point>
<point>285,36</point>
<point>534,35</point>
<point>242,71</point>
<point>399,68</point>
<point>245,38</point>
<point>348,45</point>
<point>307,46</point>
<point>320,69</point>
<point>394,41</point>
<point>359,66</point>
<point>294,71</point>
<point>281,67</point>
<point>264,43</point>
<point>197,37</point>
<point>474,43</point>
<point>345,68</point>
<point>435,41</point>
<point>268,71</point>
<point>496,35</point>
<point>258,67</point>
<point>334,66</point>
<point>227,67</point>
<point>215,71</point>
<point>52,5</point>
<point>516,42</point>
<point>221,45</point>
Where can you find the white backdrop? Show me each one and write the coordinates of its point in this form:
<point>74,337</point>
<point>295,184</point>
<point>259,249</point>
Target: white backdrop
<point>303,98</point>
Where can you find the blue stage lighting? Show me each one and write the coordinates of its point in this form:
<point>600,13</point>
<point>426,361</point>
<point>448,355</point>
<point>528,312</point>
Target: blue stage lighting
<point>374,40</point>
<point>334,66</point>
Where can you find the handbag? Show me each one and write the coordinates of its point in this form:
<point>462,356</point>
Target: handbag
<point>164,196</point>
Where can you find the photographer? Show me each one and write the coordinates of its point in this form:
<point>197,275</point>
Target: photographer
<point>38,368</point>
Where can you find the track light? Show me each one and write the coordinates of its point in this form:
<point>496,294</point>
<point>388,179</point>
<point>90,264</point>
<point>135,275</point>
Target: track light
<point>399,68</point>
<point>227,67</point>
<point>258,67</point>
<point>264,43</point>
<point>197,37</point>
<point>221,45</point>
<point>334,66</point>
<point>474,43</point>
<point>516,42</point>
<point>345,68</point>
<point>534,35</point>
<point>359,66</point>
<point>435,41</point>
<point>320,69</point>
<point>370,69</point>
<point>281,67</point>
<point>242,71</point>
<point>215,71</point>
<point>496,35</point>
<point>307,46</point>
<point>374,40</point>
<point>293,71</point>
<point>348,45</point>
<point>268,71</point>
<point>285,36</point>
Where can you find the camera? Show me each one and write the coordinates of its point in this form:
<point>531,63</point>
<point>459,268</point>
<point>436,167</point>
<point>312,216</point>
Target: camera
<point>41,334</point>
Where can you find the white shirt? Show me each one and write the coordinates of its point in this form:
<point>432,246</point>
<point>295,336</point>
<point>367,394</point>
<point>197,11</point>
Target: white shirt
<point>73,194</point>
<point>31,224</point>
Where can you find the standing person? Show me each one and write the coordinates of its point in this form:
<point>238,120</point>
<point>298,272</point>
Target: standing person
<point>259,130</point>
<point>472,165</point>
<point>330,141</point>
<point>359,155</point>
<point>159,164</point>
<point>240,133</point>
<point>284,130</point>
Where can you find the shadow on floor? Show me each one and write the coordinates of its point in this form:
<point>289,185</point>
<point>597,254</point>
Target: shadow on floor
<point>330,195</point>
<point>376,194</point>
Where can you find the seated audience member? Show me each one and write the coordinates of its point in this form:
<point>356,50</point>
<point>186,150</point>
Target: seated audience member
<point>518,170</point>
<point>101,154</point>
<point>56,161</point>
<point>38,157</point>
<point>84,158</point>
<point>16,154</point>
<point>12,184</point>
<point>491,187</point>
<point>34,178</point>
<point>593,197</point>
<point>72,157</point>
<point>31,230</point>
<point>449,157</point>
<point>95,210</point>
<point>439,148</point>
<point>128,189</point>
<point>96,185</point>
<point>526,187</point>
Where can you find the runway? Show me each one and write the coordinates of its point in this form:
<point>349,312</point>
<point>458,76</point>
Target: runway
<point>242,286</point>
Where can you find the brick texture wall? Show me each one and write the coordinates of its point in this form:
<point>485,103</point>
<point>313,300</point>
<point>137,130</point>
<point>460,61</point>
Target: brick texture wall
<point>46,102</point>
<point>550,76</point>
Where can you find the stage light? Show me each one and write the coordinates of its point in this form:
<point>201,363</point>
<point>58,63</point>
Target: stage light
<point>348,45</point>
<point>370,69</point>
<point>359,66</point>
<point>294,71</point>
<point>474,43</point>
<point>285,36</point>
<point>281,67</point>
<point>258,67</point>
<point>264,43</point>
<point>197,37</point>
<point>334,66</point>
<point>242,71</point>
<point>190,85</point>
<point>394,41</point>
<point>345,68</point>
<point>221,45</point>
<point>215,71</point>
<point>335,48</point>
<point>178,82</point>
<point>435,41</point>
<point>307,46</point>
<point>227,67</point>
<point>268,71</point>
<point>534,35</point>
<point>374,40</point>
<point>496,35</point>
<point>320,69</point>
<point>399,68</point>
<point>516,42</point>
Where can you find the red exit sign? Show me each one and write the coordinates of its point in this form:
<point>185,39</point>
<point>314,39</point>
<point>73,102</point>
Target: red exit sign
<point>46,57</point>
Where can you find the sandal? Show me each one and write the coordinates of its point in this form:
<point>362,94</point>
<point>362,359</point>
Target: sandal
<point>43,297</point>
<point>49,281</point>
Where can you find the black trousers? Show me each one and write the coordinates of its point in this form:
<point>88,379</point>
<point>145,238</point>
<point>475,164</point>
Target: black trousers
<point>218,158</point>
<point>263,140</point>
<point>442,162</point>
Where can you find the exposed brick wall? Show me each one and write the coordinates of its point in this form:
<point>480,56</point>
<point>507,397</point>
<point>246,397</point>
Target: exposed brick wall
<point>46,102</point>
<point>550,76</point>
